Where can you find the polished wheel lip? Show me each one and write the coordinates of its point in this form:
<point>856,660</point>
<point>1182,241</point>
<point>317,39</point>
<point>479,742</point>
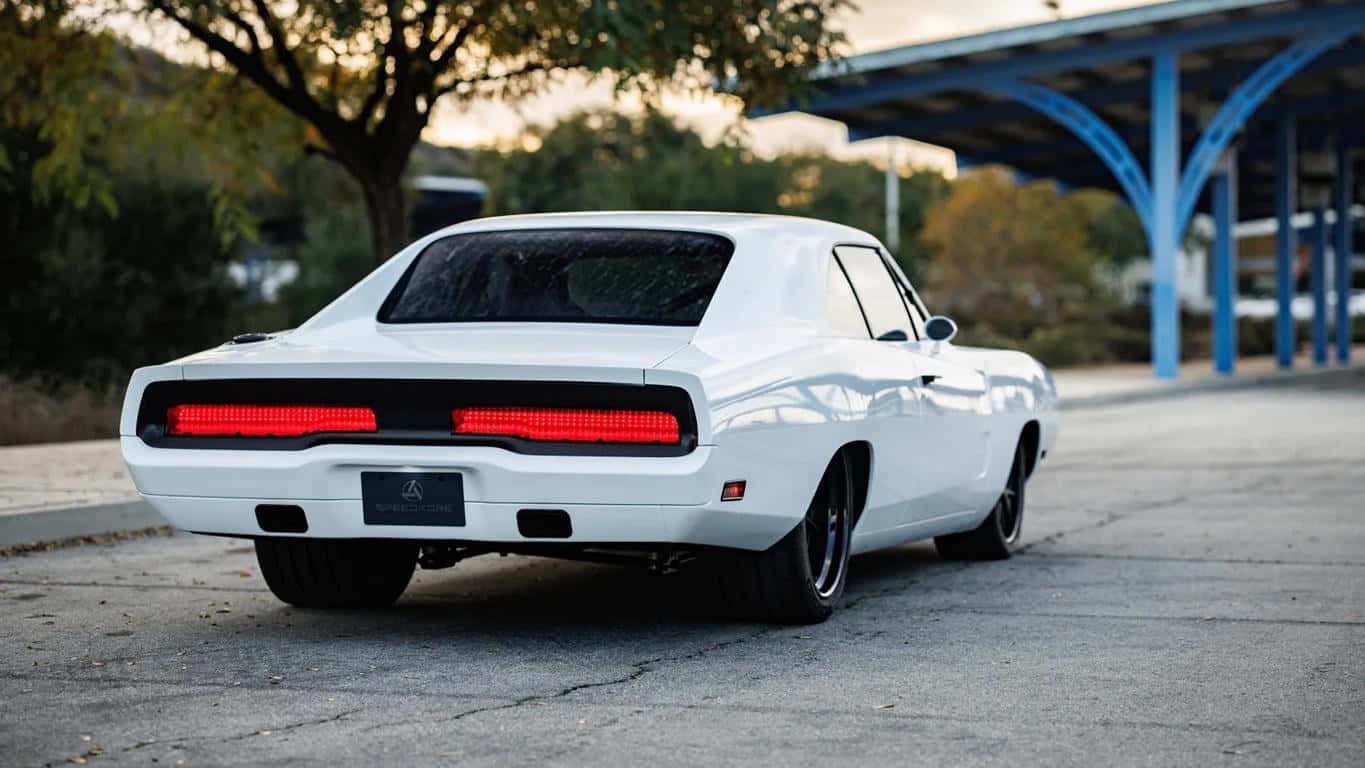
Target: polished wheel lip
<point>827,533</point>
<point>1009,511</point>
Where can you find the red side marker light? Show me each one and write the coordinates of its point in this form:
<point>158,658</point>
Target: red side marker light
<point>267,420</point>
<point>732,491</point>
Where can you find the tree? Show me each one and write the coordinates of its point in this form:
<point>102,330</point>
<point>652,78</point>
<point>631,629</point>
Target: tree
<point>48,65</point>
<point>90,108</point>
<point>124,181</point>
<point>364,75</point>
<point>1013,257</point>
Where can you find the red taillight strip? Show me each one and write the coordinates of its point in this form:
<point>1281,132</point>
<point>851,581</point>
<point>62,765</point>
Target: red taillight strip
<point>267,420</point>
<point>573,425</point>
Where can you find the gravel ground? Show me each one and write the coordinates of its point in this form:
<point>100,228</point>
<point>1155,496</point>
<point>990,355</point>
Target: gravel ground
<point>1193,592</point>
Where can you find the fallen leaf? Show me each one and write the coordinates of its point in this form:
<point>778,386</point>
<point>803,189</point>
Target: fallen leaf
<point>1237,749</point>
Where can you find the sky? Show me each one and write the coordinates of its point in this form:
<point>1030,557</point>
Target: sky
<point>877,25</point>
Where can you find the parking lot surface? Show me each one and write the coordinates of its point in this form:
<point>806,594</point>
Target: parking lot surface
<point>1192,592</point>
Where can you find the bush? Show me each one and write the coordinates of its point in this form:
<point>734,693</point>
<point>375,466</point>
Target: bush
<point>1123,336</point>
<point>39,411</point>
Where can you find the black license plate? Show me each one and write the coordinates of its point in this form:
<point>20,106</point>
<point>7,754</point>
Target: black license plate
<point>412,498</point>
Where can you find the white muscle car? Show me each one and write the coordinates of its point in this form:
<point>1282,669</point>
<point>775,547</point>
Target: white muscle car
<point>754,397</point>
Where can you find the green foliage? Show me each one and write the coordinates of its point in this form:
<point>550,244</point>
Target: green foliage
<point>93,110</point>
<point>608,161</point>
<point>1113,230</point>
<point>94,293</point>
<point>1018,262</point>
<point>125,186</point>
<point>48,65</point>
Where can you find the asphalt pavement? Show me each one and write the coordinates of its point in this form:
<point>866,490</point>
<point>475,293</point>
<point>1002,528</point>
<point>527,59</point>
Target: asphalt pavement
<point>1192,593</point>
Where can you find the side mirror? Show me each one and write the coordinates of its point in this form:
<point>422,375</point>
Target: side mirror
<point>940,328</point>
<point>894,335</point>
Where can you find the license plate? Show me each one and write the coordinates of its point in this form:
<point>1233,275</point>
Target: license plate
<point>412,498</point>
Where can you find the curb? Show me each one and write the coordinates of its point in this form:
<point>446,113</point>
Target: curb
<point>48,525</point>
<point>1206,385</point>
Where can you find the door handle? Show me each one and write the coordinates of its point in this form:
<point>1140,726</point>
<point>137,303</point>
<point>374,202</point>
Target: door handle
<point>928,378</point>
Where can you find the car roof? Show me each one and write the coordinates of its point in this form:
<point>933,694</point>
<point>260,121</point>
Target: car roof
<point>735,225</point>
<point>775,279</point>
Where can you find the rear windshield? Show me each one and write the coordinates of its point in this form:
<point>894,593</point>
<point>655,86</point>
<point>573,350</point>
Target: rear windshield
<point>624,276</point>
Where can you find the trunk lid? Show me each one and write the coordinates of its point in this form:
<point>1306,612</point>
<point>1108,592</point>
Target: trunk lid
<point>513,351</point>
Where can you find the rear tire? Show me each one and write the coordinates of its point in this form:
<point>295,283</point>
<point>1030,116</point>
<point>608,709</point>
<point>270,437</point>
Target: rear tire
<point>799,579</point>
<point>998,535</point>
<point>320,573</point>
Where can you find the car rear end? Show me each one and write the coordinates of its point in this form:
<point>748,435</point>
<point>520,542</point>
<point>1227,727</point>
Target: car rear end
<point>498,394</point>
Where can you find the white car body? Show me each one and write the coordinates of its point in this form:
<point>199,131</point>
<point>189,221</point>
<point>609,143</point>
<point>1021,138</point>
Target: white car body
<point>776,387</point>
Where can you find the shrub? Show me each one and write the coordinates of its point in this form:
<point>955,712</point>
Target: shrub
<point>41,411</point>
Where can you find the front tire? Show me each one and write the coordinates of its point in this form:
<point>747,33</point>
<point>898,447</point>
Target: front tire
<point>998,535</point>
<point>320,573</point>
<point>799,579</point>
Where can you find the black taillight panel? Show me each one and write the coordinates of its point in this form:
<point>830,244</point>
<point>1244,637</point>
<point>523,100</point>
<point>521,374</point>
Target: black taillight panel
<point>414,411</point>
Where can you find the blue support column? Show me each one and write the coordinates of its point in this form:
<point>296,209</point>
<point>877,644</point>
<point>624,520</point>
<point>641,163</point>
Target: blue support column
<point>1318,277</point>
<point>1224,271</point>
<point>1165,240</point>
<point>1341,200</point>
<point>1285,199</point>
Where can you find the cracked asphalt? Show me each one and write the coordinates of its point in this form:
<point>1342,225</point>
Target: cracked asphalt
<point>1192,593</point>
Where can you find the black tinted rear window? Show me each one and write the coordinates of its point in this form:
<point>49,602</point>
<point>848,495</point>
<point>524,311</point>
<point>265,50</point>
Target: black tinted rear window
<point>562,275</point>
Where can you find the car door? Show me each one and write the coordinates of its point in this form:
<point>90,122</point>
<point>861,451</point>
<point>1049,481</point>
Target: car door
<point>954,396</point>
<point>885,388</point>
<point>938,460</point>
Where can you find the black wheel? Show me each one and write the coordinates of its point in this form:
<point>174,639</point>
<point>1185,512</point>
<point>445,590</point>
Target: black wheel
<point>320,573</point>
<point>799,579</point>
<point>998,535</point>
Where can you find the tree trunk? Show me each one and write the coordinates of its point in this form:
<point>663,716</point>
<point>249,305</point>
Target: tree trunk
<point>384,207</point>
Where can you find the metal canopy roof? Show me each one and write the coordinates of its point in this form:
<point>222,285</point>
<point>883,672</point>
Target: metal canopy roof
<point>943,92</point>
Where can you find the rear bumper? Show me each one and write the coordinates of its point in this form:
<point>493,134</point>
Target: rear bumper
<point>490,522</point>
<point>634,499</point>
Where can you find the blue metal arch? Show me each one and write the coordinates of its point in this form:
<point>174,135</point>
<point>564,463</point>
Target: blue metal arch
<point>1250,94</point>
<point>1091,129</point>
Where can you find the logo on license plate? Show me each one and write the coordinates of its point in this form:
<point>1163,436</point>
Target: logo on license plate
<point>411,491</point>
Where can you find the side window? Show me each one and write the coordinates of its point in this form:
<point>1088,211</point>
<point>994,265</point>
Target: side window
<point>880,296</point>
<point>841,306</point>
<point>917,316</point>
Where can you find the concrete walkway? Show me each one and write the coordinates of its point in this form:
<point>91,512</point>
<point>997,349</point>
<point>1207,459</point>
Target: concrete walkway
<point>64,490</point>
<point>1131,382</point>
